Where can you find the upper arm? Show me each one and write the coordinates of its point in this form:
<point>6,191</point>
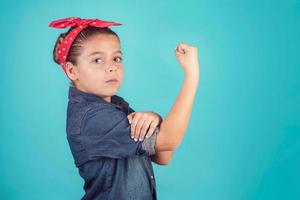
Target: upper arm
<point>106,132</point>
<point>164,143</point>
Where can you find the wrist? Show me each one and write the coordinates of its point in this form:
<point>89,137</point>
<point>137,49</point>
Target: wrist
<point>192,75</point>
<point>191,79</point>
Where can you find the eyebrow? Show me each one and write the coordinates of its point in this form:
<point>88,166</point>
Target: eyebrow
<point>101,52</point>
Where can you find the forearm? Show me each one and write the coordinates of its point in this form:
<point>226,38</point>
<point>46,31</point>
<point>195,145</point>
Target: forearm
<point>174,125</point>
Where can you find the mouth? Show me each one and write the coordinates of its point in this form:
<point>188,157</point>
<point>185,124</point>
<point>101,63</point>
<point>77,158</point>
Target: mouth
<point>112,81</point>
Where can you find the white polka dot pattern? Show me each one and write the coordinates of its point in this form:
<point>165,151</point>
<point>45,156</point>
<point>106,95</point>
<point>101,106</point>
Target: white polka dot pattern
<point>80,25</point>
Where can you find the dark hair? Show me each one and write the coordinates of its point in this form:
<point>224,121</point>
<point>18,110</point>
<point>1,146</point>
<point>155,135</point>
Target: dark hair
<point>75,49</point>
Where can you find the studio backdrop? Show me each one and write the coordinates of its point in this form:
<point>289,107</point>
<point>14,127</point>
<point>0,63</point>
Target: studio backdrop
<point>243,138</point>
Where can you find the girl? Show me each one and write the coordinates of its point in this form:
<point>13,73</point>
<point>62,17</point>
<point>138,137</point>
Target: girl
<point>113,146</point>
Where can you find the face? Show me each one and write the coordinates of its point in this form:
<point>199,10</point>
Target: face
<point>99,62</point>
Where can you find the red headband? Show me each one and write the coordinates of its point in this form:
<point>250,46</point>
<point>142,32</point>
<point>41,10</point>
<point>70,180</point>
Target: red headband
<point>81,24</point>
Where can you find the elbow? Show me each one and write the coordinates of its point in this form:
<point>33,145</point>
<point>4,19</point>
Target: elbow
<point>167,162</point>
<point>172,146</point>
<point>162,162</point>
<point>162,158</point>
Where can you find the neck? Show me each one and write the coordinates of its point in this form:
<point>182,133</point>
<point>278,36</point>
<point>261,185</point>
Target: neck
<point>107,99</point>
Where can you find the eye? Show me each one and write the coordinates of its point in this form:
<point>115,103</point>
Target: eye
<point>98,60</point>
<point>118,59</point>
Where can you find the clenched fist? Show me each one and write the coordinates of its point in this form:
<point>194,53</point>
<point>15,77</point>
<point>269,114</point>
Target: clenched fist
<point>187,57</point>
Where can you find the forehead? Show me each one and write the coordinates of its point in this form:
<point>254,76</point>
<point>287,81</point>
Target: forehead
<point>101,42</point>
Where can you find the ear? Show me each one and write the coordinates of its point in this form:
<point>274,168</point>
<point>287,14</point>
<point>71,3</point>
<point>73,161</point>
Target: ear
<point>72,71</point>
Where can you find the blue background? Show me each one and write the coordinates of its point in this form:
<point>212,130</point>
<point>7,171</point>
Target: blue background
<point>243,139</point>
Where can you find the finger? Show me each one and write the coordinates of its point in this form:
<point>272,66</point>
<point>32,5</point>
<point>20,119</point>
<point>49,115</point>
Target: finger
<point>138,128</point>
<point>134,124</point>
<point>179,51</point>
<point>151,130</point>
<point>134,121</point>
<point>144,129</point>
<point>130,117</point>
<point>183,45</point>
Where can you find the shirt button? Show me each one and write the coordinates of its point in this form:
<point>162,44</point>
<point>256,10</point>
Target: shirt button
<point>151,177</point>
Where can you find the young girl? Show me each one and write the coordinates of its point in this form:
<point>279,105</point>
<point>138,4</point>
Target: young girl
<point>113,146</point>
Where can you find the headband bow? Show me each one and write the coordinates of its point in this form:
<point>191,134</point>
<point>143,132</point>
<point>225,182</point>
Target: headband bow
<point>81,24</point>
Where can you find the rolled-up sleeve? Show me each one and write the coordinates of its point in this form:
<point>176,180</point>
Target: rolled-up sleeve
<point>105,132</point>
<point>149,143</point>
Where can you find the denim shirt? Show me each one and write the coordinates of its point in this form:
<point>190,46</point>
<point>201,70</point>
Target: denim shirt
<point>112,164</point>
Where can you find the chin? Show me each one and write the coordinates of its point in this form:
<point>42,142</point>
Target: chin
<point>111,93</point>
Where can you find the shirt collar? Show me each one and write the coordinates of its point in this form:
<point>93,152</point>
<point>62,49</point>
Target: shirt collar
<point>78,95</point>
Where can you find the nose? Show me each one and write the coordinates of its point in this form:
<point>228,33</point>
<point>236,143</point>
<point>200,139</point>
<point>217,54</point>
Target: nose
<point>111,68</point>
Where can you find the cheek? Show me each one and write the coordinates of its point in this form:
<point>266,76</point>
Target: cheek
<point>92,75</point>
<point>121,72</point>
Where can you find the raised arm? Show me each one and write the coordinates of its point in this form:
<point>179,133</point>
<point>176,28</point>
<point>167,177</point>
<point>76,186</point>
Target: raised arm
<point>174,125</point>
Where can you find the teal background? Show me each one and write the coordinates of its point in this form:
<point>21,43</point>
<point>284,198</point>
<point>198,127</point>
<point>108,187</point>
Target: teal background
<point>243,139</point>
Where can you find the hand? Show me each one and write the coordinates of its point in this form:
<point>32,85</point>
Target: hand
<point>187,57</point>
<point>140,122</point>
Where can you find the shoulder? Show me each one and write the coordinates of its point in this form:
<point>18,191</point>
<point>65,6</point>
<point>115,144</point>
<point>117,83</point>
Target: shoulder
<point>81,108</point>
<point>105,113</point>
<point>104,117</point>
<point>76,112</point>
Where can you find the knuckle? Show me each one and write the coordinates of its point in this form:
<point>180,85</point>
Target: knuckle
<point>138,126</point>
<point>132,129</point>
<point>136,132</point>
